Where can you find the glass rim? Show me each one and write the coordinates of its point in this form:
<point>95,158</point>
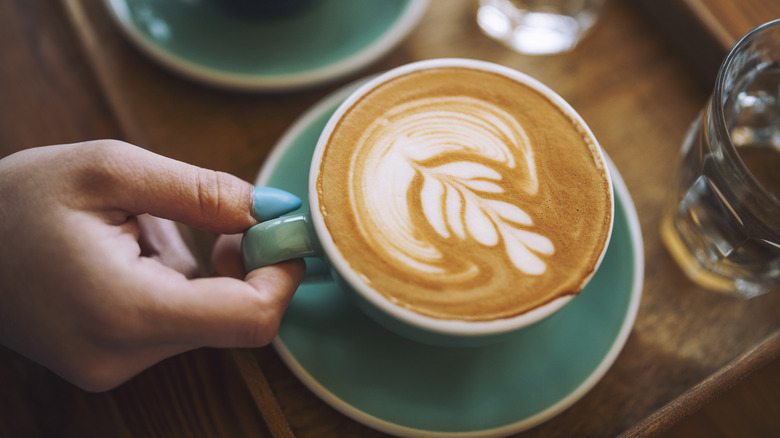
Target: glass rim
<point>719,116</point>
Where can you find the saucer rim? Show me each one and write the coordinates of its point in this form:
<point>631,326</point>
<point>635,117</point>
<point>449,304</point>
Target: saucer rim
<point>381,46</point>
<point>622,196</point>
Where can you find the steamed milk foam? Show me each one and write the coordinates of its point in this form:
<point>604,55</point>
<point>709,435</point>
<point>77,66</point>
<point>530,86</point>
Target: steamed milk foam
<point>463,194</point>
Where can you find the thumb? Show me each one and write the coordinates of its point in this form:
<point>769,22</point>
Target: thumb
<point>225,312</point>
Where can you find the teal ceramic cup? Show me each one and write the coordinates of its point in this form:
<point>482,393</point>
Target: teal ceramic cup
<point>266,9</point>
<point>307,235</point>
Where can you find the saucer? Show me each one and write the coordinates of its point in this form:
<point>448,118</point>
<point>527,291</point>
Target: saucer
<point>405,388</point>
<point>323,41</point>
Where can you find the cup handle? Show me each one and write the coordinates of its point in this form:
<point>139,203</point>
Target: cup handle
<point>283,238</point>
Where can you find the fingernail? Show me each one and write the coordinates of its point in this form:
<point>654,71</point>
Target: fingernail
<point>270,203</point>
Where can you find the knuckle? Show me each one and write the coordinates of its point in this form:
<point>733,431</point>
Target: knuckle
<point>260,328</point>
<point>258,334</point>
<point>208,195</point>
<point>216,196</point>
<point>100,165</point>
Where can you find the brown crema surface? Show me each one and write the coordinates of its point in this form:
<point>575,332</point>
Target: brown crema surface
<point>470,280</point>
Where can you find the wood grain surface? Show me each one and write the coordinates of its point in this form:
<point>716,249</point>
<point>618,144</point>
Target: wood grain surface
<point>69,75</point>
<point>701,32</point>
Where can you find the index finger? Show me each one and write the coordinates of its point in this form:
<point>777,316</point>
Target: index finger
<point>139,181</point>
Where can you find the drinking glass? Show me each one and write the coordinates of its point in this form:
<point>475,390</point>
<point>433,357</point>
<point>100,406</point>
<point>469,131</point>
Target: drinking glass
<point>538,27</point>
<point>723,224</point>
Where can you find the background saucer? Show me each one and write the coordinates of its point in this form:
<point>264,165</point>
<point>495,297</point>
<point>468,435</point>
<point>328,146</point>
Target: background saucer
<point>406,388</point>
<point>322,41</point>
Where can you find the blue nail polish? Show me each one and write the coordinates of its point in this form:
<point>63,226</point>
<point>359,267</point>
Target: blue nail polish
<point>270,203</point>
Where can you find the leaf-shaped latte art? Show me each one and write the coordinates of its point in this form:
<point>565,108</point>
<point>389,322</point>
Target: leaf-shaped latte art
<point>479,224</point>
<point>460,187</point>
<point>448,155</point>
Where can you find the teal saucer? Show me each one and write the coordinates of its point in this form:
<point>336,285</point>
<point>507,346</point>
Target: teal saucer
<point>405,388</point>
<point>322,41</point>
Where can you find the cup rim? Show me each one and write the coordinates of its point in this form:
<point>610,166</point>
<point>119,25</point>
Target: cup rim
<point>454,327</point>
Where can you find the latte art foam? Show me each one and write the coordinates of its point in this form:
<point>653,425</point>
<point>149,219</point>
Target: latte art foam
<point>464,194</point>
<point>447,155</point>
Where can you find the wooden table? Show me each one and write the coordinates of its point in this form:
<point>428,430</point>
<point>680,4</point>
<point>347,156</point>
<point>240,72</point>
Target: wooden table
<point>68,75</point>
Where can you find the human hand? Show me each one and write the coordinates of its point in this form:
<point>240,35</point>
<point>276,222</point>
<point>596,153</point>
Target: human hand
<point>94,286</point>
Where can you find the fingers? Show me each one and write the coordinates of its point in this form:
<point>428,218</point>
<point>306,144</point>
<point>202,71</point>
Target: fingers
<point>225,312</point>
<point>138,181</point>
<point>212,311</point>
<point>113,302</point>
<point>226,259</point>
<point>165,314</point>
<point>159,239</point>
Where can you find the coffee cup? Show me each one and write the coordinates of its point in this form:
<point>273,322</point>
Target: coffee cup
<point>267,9</point>
<point>456,201</point>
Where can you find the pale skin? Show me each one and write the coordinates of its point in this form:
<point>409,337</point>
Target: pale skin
<point>97,287</point>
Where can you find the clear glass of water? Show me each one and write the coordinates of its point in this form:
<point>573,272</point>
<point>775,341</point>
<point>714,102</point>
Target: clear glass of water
<point>538,27</point>
<point>723,223</point>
